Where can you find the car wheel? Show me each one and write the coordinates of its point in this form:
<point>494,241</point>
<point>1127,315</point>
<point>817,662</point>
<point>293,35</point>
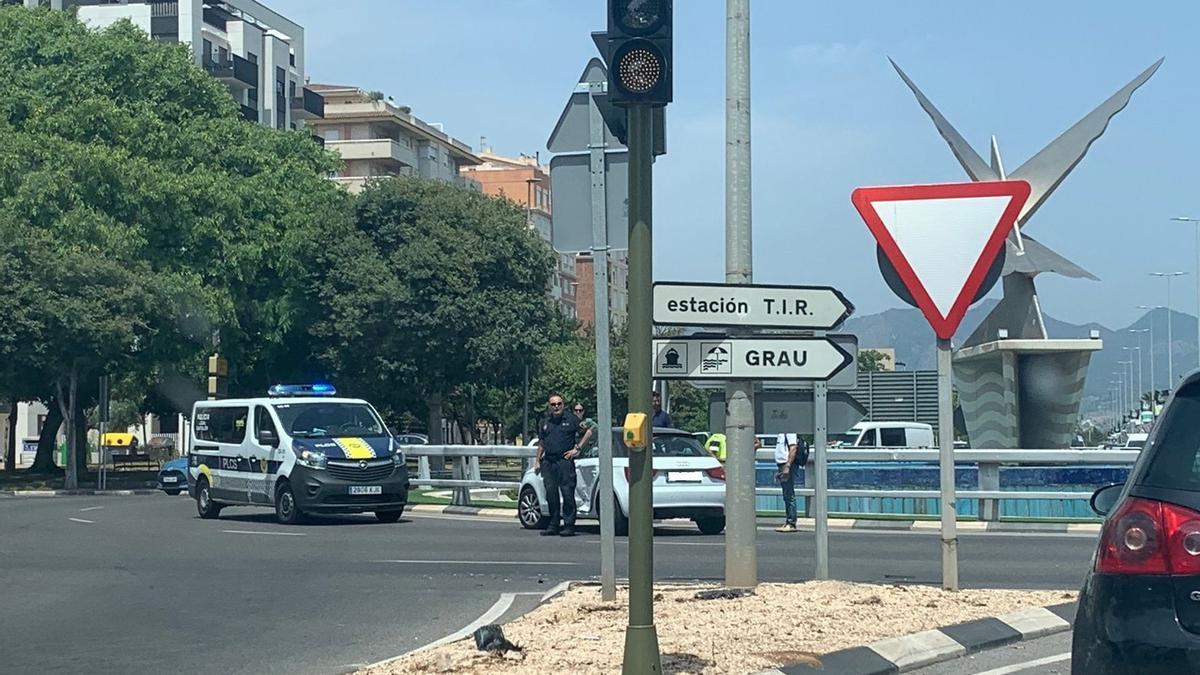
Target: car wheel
<point>205,505</point>
<point>389,516</point>
<point>711,525</point>
<point>286,510</point>
<point>620,520</point>
<point>174,492</point>
<point>530,511</point>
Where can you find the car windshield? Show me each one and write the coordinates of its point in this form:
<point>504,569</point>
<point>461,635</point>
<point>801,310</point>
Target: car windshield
<point>322,419</point>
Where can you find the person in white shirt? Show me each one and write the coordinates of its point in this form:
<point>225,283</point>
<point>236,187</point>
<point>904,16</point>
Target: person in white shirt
<point>788,451</point>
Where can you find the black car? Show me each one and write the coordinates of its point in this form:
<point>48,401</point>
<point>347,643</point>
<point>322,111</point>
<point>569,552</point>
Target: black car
<point>1139,610</point>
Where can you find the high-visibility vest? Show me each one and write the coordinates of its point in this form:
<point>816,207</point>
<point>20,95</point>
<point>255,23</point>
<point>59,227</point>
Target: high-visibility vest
<point>717,440</point>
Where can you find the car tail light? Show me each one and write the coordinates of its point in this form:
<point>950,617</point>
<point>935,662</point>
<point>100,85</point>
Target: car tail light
<point>1150,537</point>
<point>717,473</point>
<point>653,475</point>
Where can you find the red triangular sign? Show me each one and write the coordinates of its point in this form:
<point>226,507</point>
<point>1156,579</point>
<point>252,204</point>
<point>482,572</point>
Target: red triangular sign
<point>942,239</point>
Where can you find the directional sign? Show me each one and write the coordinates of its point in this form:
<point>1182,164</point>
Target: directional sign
<point>844,379</point>
<point>942,239</point>
<point>757,305</point>
<point>758,358</point>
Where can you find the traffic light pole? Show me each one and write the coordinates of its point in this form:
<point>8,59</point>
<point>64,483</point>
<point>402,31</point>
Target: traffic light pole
<point>641,637</point>
<point>741,555</point>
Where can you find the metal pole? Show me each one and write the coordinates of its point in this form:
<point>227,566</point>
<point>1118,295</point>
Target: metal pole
<point>1141,388</point>
<point>821,476</point>
<point>525,417</point>
<point>741,555</point>
<point>1197,223</point>
<point>1153,393</point>
<point>641,637</point>
<point>946,466</point>
<point>1170,340</point>
<point>608,544</point>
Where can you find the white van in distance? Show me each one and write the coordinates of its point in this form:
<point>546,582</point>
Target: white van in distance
<point>885,435</point>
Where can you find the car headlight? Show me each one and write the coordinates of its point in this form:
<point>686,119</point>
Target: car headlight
<point>313,459</point>
<point>397,453</point>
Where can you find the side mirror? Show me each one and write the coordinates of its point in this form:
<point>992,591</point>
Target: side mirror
<point>1104,499</point>
<point>268,438</point>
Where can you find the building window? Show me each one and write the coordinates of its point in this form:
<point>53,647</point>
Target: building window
<point>292,58</point>
<point>332,135</point>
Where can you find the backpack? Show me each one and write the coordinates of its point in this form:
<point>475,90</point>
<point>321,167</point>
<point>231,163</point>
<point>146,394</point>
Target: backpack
<point>801,450</point>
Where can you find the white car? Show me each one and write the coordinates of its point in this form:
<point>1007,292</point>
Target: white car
<point>688,483</point>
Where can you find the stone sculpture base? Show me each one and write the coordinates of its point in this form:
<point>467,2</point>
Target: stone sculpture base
<point>1022,393</point>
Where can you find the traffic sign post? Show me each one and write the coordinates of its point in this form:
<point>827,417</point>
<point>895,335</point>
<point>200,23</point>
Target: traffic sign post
<point>750,305</point>
<point>943,241</point>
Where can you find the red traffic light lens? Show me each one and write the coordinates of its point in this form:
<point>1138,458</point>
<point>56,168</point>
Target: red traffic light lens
<point>640,69</point>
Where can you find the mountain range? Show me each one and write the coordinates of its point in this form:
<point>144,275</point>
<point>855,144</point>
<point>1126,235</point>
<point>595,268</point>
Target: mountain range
<point>906,331</point>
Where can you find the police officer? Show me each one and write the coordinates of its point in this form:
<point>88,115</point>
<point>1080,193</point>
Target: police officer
<point>557,449</point>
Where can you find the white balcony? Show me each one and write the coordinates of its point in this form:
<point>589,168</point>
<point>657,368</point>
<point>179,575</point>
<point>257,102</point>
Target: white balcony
<point>383,149</point>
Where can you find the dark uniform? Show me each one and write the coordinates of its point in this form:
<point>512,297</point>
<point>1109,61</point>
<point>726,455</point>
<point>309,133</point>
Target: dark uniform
<point>558,436</point>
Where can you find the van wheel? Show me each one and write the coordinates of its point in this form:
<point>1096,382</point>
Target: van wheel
<point>389,516</point>
<point>530,511</point>
<point>286,510</point>
<point>711,525</point>
<point>205,505</point>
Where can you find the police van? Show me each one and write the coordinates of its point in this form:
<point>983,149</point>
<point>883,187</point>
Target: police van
<point>299,450</point>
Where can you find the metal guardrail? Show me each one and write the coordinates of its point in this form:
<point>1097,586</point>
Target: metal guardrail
<point>466,471</point>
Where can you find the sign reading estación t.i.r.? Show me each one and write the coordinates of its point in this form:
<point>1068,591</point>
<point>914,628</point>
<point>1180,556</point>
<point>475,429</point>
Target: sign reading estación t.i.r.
<point>752,305</point>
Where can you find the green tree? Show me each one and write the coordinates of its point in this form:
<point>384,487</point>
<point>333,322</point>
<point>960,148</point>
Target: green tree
<point>439,294</point>
<point>872,361</point>
<point>138,171</point>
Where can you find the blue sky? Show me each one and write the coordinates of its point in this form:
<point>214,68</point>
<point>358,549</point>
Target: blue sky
<point>829,115</point>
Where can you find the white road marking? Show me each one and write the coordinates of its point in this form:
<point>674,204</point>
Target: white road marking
<point>497,610</point>
<point>275,534</point>
<point>1018,667</point>
<point>688,543</point>
<point>90,508</point>
<point>475,562</point>
<point>81,520</point>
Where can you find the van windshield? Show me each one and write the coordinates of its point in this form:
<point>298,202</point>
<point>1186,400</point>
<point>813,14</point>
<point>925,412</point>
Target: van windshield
<point>847,438</point>
<point>323,419</point>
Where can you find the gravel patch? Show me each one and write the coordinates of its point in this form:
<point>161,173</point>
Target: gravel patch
<point>777,624</point>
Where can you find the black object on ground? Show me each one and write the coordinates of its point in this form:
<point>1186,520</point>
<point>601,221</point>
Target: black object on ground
<point>724,594</point>
<point>490,638</point>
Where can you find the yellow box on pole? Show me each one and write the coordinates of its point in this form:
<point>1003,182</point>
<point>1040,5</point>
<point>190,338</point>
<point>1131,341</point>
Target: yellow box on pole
<point>637,431</point>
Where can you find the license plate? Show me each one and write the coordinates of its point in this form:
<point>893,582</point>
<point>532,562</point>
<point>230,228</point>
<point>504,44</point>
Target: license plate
<point>684,476</point>
<point>170,479</point>
<point>366,490</point>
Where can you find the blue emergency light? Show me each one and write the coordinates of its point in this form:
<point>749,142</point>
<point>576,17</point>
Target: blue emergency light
<point>302,390</point>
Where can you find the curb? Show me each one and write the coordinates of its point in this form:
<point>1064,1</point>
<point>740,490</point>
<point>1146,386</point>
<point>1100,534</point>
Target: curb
<point>79,493</point>
<point>834,523</point>
<point>909,652</point>
<point>463,510</point>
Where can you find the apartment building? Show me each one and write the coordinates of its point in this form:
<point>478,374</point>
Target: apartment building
<point>257,53</point>
<point>378,137</point>
<point>618,289</point>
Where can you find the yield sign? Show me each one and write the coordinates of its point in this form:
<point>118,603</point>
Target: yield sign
<point>942,239</point>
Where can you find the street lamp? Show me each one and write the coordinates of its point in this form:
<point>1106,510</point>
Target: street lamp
<point>1116,402</point>
<point>1196,222</point>
<point>1127,374</point>
<point>1170,346</point>
<point>1149,330</point>
<point>1138,401</point>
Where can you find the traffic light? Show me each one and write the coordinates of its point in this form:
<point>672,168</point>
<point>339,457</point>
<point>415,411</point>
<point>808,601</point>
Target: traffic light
<point>639,52</point>
<point>218,375</point>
